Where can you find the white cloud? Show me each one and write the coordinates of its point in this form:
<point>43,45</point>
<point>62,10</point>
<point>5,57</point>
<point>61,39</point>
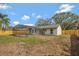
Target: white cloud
<point>4,6</point>
<point>16,22</point>
<point>38,16</point>
<point>25,17</point>
<point>29,24</point>
<point>65,8</point>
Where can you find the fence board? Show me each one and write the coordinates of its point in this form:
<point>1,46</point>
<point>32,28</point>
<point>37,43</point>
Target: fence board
<point>10,32</point>
<point>65,32</point>
<point>71,32</point>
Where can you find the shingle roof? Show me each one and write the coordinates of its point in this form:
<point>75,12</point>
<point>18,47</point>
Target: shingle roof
<point>48,26</point>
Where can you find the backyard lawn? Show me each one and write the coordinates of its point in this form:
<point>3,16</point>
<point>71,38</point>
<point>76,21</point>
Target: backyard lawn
<point>35,45</point>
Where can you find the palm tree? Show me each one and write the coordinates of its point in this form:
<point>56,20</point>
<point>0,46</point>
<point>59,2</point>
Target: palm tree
<point>4,21</point>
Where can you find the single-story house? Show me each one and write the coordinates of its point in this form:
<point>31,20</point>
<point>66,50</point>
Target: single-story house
<point>23,29</point>
<point>43,30</point>
<point>48,30</point>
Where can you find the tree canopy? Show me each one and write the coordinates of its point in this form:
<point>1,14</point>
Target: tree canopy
<point>67,20</point>
<point>43,22</point>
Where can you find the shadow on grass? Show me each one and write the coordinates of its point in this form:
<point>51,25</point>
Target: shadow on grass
<point>74,45</point>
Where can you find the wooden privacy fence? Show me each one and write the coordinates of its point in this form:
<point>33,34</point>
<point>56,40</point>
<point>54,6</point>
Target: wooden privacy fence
<point>71,32</point>
<point>13,32</point>
<point>7,32</point>
<point>18,32</point>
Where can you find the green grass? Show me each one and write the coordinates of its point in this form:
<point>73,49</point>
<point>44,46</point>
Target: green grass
<point>30,40</point>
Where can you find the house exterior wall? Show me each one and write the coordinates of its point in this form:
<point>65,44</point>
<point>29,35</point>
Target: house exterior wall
<point>37,31</point>
<point>33,31</point>
<point>54,31</point>
<point>59,30</point>
<point>47,31</point>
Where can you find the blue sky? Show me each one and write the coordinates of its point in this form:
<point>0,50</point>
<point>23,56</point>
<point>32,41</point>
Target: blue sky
<point>28,13</point>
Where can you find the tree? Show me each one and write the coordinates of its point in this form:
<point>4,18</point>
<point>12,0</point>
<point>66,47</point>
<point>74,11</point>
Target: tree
<point>42,22</point>
<point>67,20</point>
<point>4,21</point>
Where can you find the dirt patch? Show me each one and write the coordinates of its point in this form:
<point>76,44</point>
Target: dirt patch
<point>43,46</point>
